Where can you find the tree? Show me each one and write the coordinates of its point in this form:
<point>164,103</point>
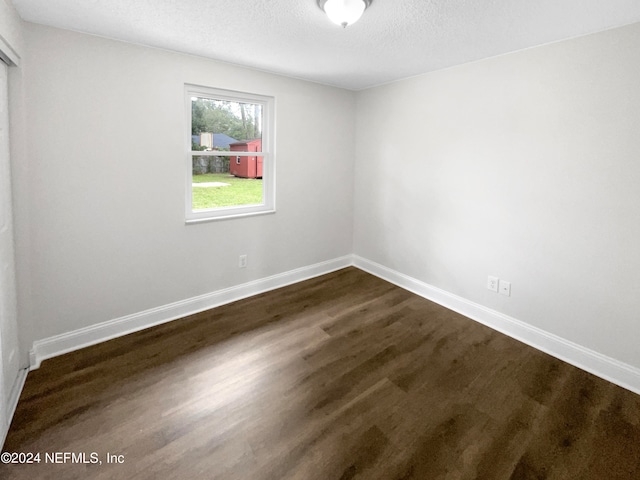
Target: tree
<point>238,120</point>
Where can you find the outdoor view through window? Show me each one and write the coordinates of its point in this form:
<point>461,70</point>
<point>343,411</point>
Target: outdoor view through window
<point>226,153</point>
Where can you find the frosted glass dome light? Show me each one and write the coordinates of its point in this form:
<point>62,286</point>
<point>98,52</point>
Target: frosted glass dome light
<point>344,12</point>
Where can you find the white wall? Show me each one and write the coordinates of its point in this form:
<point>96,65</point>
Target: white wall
<point>523,166</point>
<point>103,181</point>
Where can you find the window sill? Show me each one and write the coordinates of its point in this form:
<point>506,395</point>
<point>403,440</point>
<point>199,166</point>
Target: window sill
<point>193,221</point>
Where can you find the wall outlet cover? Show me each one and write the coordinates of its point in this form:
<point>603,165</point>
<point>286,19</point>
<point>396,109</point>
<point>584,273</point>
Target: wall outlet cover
<point>505,288</point>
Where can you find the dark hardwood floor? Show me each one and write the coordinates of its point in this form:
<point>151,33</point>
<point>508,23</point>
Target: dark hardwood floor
<point>340,377</point>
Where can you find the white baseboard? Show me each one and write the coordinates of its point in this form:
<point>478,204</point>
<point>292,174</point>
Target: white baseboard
<point>101,332</point>
<point>591,361</point>
<point>14,396</point>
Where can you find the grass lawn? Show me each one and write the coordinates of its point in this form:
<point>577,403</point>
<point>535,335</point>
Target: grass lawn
<point>241,191</point>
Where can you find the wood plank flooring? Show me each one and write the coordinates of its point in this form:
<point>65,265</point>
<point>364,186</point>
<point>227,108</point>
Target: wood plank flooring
<point>340,377</point>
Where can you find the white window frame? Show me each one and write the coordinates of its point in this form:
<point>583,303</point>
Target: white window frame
<point>268,204</point>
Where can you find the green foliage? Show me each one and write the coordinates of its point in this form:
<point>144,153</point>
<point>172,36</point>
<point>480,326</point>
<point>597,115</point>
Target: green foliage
<point>238,120</point>
<point>241,191</point>
<point>195,147</point>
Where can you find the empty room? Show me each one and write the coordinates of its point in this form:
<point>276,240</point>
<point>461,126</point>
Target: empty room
<point>320,239</point>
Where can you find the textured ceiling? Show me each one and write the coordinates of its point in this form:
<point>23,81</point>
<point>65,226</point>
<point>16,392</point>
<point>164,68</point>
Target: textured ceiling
<point>393,40</point>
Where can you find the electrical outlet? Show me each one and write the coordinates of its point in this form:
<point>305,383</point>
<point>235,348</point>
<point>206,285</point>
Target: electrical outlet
<point>242,262</point>
<point>492,283</point>
<point>505,288</point>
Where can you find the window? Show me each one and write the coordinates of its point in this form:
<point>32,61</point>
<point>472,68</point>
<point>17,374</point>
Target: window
<point>230,159</point>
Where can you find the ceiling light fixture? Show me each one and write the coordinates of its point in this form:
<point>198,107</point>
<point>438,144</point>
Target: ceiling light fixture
<point>344,12</point>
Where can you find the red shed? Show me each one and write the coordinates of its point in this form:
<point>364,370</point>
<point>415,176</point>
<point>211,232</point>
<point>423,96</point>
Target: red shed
<point>246,167</point>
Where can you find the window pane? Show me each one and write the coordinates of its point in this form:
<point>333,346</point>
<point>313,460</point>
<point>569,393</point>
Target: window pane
<point>226,181</point>
<point>230,149</point>
<point>217,124</point>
